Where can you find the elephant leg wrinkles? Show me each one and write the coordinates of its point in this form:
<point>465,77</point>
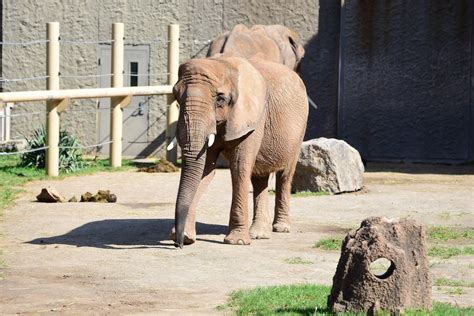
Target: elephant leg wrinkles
<point>261,225</point>
<point>281,221</point>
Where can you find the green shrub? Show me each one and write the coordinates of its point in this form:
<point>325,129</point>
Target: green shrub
<point>70,155</point>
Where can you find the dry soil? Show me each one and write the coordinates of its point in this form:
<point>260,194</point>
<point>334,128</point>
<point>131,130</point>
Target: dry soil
<point>84,258</point>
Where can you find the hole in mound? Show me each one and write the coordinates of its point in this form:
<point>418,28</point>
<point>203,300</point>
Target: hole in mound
<point>382,268</point>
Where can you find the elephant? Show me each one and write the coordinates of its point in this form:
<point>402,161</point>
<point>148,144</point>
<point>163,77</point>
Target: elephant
<point>253,111</point>
<point>271,42</point>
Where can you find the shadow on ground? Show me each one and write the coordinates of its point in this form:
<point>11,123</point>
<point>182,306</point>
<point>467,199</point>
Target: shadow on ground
<point>125,234</point>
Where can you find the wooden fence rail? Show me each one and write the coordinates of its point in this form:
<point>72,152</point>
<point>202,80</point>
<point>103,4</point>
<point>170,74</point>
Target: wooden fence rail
<point>57,100</point>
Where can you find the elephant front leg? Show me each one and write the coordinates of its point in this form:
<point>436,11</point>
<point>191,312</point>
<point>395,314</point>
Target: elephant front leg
<point>238,222</point>
<point>261,226</point>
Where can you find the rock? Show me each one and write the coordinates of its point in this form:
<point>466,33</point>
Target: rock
<point>86,197</point>
<point>112,198</point>
<point>102,196</point>
<point>330,165</point>
<point>73,199</point>
<point>50,195</point>
<point>404,284</point>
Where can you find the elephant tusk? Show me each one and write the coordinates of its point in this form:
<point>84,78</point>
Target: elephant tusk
<point>172,144</point>
<point>210,140</point>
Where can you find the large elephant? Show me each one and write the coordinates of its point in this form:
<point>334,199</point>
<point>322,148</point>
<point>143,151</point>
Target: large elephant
<point>255,112</point>
<point>271,42</point>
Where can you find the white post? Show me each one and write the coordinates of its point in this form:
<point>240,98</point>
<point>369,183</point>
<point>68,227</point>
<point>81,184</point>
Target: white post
<point>8,113</point>
<point>116,114</point>
<point>172,111</point>
<point>52,83</point>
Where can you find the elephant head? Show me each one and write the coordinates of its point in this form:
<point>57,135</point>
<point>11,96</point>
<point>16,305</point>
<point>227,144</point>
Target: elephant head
<point>223,96</point>
<point>272,42</point>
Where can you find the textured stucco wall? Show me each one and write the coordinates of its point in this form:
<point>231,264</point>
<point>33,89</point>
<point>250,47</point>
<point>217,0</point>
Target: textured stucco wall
<point>406,79</point>
<point>200,21</point>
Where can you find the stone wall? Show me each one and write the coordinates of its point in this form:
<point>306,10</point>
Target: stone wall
<point>406,80</point>
<point>90,20</point>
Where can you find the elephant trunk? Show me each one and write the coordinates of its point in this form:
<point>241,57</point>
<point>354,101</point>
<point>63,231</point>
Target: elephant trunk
<point>193,162</point>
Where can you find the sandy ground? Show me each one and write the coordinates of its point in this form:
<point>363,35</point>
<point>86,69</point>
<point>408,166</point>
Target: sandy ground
<point>84,258</point>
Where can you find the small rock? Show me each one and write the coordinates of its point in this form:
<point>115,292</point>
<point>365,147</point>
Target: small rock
<point>86,197</point>
<point>73,199</point>
<point>102,196</point>
<point>112,198</point>
<point>329,165</point>
<point>50,195</point>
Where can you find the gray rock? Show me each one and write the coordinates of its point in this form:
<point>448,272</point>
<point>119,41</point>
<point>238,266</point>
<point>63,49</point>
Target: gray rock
<point>330,165</point>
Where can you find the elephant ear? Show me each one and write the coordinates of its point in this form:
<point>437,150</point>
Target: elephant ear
<point>248,99</point>
<point>297,48</point>
<point>217,45</point>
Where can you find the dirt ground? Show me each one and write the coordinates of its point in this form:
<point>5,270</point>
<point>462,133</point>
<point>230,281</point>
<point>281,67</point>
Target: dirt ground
<point>84,258</point>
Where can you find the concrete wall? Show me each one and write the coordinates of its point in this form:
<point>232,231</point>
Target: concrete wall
<point>406,80</point>
<point>200,21</point>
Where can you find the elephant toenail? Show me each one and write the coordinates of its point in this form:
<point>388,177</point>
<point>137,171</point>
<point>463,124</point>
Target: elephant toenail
<point>240,242</point>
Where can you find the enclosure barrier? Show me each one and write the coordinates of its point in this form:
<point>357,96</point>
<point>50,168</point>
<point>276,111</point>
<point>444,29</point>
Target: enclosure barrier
<point>57,100</point>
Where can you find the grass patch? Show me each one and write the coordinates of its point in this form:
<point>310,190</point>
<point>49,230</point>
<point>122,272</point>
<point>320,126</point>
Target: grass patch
<point>309,194</point>
<point>297,260</point>
<point>328,244</point>
<point>456,291</point>
<point>12,176</point>
<point>447,252</point>
<point>442,233</point>
<point>305,299</point>
<point>303,193</point>
<point>452,282</point>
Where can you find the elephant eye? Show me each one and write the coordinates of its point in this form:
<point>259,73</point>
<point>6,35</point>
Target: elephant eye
<point>221,100</point>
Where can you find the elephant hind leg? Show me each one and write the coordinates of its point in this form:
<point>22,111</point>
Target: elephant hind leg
<point>281,222</point>
<point>261,225</point>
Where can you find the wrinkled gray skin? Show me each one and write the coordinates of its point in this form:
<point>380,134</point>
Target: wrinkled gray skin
<point>274,43</point>
<point>258,111</point>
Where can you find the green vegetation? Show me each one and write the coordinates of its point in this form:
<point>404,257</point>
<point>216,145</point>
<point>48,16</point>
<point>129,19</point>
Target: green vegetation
<point>309,194</point>
<point>329,243</point>
<point>12,175</point>
<point>449,233</point>
<point>303,193</point>
<point>452,282</point>
<point>447,252</point>
<point>456,291</point>
<point>297,260</point>
<point>305,299</point>
<point>70,153</point>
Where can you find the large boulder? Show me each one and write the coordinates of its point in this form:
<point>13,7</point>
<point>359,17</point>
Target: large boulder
<point>404,282</point>
<point>330,165</point>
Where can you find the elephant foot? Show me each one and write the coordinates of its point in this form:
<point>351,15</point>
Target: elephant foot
<point>188,238</point>
<point>260,230</point>
<point>237,237</point>
<point>281,227</point>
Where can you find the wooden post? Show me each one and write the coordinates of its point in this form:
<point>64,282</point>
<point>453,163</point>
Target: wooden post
<point>52,83</point>
<point>172,111</point>
<point>116,114</point>
<point>8,113</point>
